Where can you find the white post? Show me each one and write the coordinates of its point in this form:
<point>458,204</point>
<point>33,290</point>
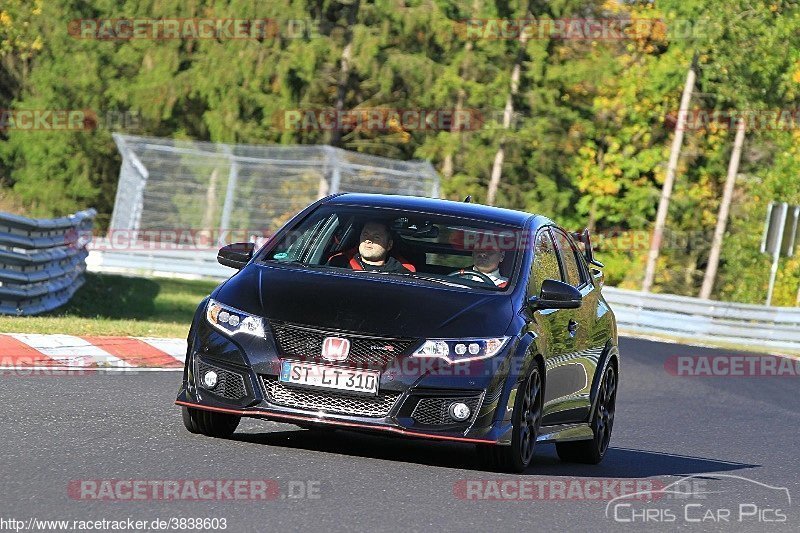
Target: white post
<point>777,253</point>
<point>230,193</point>
<point>669,181</point>
<point>724,209</point>
<point>336,176</point>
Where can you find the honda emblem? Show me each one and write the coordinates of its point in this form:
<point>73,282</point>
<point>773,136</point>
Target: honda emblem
<point>335,348</point>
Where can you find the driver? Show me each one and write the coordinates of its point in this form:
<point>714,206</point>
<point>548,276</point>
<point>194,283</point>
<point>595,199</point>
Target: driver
<point>374,245</point>
<point>486,260</point>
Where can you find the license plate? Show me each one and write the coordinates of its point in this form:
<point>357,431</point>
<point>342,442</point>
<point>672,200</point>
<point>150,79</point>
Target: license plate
<point>329,377</point>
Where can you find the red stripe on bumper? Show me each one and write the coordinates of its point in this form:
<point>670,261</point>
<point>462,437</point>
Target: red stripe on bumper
<point>271,414</point>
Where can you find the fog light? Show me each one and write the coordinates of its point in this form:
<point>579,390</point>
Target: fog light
<point>459,411</point>
<point>210,379</point>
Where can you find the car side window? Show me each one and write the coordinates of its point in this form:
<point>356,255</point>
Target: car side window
<point>297,246</point>
<point>568,259</point>
<point>545,263</point>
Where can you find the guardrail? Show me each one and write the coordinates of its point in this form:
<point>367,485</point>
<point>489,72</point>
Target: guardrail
<point>679,317</point>
<point>694,319</point>
<point>42,261</point>
<point>191,263</point>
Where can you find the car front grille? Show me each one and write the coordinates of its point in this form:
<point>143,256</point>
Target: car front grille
<point>434,411</point>
<point>305,342</point>
<point>229,384</point>
<point>328,401</point>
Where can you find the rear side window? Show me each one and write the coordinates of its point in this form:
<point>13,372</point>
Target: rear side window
<point>569,259</point>
<point>545,263</point>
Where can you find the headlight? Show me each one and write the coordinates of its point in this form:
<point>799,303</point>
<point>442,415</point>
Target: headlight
<point>457,350</point>
<point>232,321</point>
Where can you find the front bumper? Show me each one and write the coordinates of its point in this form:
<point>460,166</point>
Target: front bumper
<point>279,416</point>
<point>399,416</point>
<point>253,370</point>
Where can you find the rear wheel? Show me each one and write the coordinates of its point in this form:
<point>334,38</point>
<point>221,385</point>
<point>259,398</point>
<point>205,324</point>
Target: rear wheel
<point>526,419</point>
<point>209,423</point>
<point>592,451</point>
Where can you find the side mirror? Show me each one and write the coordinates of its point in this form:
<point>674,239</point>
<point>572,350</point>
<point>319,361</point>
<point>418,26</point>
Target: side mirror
<point>236,255</point>
<point>557,295</point>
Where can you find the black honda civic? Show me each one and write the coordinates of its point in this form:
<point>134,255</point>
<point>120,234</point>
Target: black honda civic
<point>415,317</point>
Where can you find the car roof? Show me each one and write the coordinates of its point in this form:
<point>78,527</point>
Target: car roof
<point>434,205</point>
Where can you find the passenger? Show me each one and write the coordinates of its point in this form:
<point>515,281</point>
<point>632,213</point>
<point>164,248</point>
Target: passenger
<point>374,245</point>
<point>486,260</point>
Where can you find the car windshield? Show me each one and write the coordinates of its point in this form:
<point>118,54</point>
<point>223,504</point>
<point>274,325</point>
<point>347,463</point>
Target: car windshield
<point>464,253</point>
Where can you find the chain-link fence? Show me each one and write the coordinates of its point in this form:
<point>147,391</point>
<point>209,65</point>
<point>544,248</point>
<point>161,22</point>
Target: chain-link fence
<point>168,184</point>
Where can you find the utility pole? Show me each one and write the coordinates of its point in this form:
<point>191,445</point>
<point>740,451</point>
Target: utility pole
<point>344,70</point>
<point>724,210</point>
<point>669,181</point>
<point>508,112</point>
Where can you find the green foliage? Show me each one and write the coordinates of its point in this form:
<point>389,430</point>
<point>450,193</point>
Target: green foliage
<point>588,144</point>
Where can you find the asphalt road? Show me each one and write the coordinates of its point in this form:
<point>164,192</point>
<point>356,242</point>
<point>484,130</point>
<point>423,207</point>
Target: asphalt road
<point>738,437</point>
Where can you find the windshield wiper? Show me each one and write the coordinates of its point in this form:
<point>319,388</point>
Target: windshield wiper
<point>415,276</point>
<point>446,282</point>
<point>449,283</point>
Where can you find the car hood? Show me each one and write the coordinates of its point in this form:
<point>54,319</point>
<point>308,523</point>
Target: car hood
<point>365,303</point>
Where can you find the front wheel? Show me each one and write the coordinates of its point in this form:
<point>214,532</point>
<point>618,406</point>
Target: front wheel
<point>209,423</point>
<point>592,451</point>
<point>526,419</point>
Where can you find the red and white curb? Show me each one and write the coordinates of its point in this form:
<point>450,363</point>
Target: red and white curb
<point>23,350</point>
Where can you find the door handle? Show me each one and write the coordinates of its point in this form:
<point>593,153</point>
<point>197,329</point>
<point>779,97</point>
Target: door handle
<point>572,327</point>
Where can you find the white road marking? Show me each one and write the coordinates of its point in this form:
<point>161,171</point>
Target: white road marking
<point>69,350</point>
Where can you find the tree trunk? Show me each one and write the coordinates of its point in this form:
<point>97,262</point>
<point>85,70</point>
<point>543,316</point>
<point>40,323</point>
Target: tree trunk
<point>669,181</point>
<point>344,70</point>
<point>497,166</point>
<point>447,164</point>
<point>722,217</point>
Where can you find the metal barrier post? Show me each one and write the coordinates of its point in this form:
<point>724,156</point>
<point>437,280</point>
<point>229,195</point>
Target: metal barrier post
<point>777,253</point>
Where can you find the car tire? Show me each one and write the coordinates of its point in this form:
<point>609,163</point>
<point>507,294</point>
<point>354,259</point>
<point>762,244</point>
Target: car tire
<point>526,420</point>
<point>593,450</point>
<point>209,423</point>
